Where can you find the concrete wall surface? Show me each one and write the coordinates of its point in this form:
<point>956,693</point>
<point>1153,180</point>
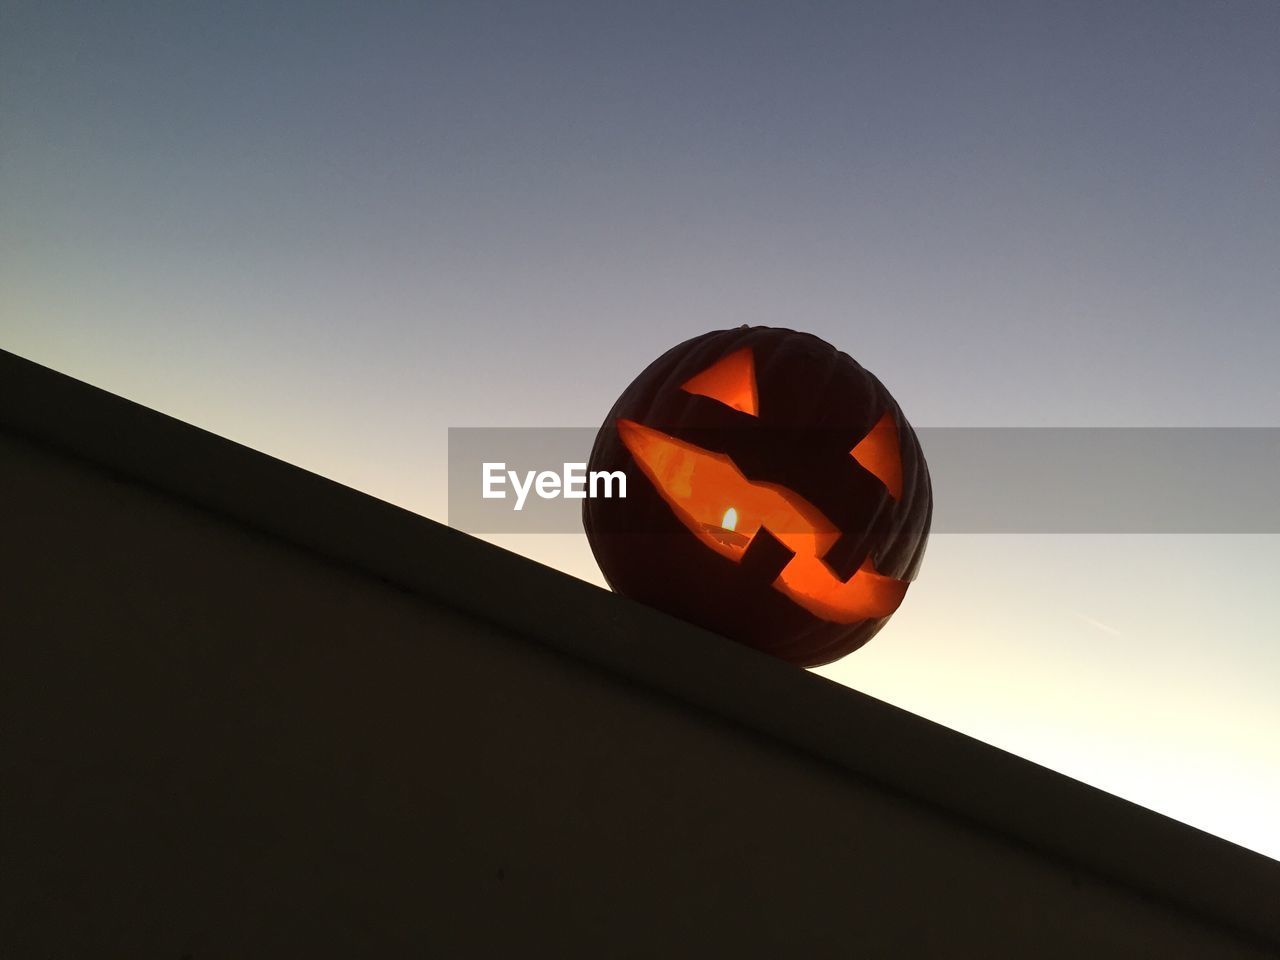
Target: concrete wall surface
<point>216,743</point>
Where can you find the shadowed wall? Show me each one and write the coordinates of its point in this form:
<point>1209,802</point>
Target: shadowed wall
<point>216,744</point>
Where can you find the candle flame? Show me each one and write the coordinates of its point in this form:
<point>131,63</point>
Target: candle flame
<point>730,520</point>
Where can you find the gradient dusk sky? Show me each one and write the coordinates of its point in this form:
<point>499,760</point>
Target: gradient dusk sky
<point>331,232</point>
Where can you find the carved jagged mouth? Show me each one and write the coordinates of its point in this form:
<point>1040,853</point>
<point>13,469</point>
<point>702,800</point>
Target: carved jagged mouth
<point>702,488</point>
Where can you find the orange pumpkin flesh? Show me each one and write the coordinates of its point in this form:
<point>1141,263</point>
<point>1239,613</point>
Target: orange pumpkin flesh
<point>776,495</point>
<point>701,487</point>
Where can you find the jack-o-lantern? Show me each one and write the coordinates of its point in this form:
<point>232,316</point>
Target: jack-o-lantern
<point>775,493</point>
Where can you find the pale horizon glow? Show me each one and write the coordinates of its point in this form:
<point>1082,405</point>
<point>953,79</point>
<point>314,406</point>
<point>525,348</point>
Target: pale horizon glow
<point>331,234</point>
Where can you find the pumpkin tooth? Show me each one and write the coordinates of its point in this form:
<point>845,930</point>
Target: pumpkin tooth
<point>765,558</point>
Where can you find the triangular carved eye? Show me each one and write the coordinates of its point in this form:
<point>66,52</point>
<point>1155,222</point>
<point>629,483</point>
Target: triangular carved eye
<point>879,455</point>
<point>731,380</point>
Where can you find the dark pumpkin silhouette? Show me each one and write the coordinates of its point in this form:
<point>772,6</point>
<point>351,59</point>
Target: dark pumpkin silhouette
<point>775,493</point>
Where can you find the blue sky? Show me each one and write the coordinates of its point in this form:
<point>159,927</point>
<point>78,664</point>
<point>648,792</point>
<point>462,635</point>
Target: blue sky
<point>333,231</point>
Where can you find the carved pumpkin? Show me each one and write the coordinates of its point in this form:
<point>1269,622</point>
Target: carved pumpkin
<point>775,493</point>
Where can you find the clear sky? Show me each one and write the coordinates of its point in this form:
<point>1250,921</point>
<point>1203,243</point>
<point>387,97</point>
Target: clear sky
<point>333,231</point>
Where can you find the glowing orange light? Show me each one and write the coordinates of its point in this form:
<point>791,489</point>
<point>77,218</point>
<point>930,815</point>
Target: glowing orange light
<point>878,453</point>
<point>696,482</point>
<point>731,380</point>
